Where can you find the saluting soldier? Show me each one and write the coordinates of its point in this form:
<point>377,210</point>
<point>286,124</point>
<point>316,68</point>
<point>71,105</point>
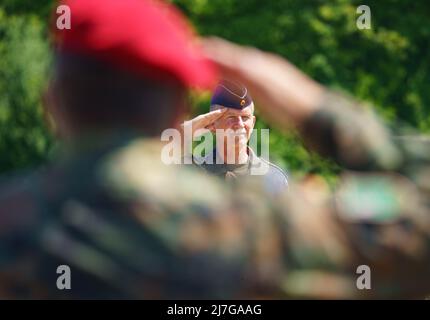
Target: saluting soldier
<point>233,157</point>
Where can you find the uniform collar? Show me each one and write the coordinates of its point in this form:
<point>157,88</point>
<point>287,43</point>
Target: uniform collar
<point>219,167</point>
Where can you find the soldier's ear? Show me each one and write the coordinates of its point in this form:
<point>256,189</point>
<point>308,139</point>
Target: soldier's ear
<point>253,121</point>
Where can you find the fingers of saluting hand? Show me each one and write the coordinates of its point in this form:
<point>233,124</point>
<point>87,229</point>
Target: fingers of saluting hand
<point>206,119</point>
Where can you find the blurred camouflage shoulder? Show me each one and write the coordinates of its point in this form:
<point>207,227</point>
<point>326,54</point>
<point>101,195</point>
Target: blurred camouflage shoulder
<point>126,224</point>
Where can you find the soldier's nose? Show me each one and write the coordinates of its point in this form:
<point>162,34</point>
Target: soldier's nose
<point>240,122</point>
<point>238,126</point>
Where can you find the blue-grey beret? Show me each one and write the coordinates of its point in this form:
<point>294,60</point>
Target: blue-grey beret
<point>231,95</point>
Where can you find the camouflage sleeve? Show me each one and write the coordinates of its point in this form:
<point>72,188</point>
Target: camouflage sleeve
<point>375,221</point>
<point>352,135</point>
<point>211,240</point>
<point>378,218</point>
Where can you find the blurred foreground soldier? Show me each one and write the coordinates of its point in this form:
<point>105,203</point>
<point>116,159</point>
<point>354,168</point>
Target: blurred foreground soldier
<point>128,226</point>
<point>232,156</point>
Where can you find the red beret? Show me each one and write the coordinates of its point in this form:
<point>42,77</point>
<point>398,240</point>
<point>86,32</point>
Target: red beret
<point>144,36</point>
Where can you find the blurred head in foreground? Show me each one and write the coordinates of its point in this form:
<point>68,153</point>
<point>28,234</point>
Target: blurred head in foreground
<point>123,64</point>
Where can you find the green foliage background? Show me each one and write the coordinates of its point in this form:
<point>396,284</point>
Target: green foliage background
<point>387,65</point>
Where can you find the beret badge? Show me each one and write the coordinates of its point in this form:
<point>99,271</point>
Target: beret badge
<point>231,94</point>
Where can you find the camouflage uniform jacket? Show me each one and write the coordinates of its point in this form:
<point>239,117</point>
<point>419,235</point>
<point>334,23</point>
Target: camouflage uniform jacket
<point>129,226</point>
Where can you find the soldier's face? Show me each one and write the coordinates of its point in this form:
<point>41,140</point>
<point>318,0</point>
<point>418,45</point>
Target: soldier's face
<point>239,123</point>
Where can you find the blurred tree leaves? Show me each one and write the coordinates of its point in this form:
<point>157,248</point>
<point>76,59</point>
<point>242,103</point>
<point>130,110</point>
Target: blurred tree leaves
<point>42,8</point>
<point>23,69</point>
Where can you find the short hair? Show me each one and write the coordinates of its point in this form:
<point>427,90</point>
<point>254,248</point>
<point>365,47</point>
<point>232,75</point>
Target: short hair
<point>218,106</point>
<point>94,94</point>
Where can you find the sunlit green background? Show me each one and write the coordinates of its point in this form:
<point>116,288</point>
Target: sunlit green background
<point>387,65</point>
